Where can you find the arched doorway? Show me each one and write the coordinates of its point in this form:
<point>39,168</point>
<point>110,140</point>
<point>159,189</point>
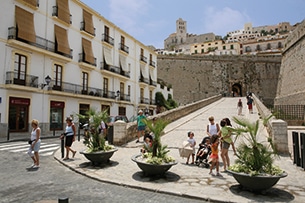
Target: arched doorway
<point>237,90</point>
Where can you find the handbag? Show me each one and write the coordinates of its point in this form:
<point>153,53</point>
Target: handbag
<point>30,141</point>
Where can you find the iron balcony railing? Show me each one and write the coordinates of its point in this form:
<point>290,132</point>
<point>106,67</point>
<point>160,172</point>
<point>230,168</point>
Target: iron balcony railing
<point>143,58</point>
<point>153,83</point>
<point>21,79</point>
<point>108,39</point>
<point>142,79</point>
<point>144,100</point>
<point>40,43</point>
<point>114,69</point>
<point>152,63</point>
<point>55,13</point>
<point>82,59</point>
<point>124,48</point>
<point>82,28</point>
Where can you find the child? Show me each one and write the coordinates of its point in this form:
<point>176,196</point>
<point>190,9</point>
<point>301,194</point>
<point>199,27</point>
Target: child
<point>147,144</point>
<point>204,149</point>
<point>214,159</point>
<point>192,142</point>
<point>225,135</point>
<point>239,107</point>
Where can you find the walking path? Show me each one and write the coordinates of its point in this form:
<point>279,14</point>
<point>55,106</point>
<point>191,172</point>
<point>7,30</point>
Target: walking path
<point>190,180</point>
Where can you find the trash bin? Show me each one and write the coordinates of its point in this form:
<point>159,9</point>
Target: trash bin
<point>110,134</point>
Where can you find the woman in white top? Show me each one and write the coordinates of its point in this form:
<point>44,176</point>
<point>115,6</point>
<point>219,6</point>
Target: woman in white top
<point>35,143</point>
<point>212,128</point>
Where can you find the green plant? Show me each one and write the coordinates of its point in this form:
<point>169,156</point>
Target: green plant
<point>159,152</point>
<point>94,141</point>
<point>253,156</point>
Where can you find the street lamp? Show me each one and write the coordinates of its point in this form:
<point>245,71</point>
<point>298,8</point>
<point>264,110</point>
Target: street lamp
<point>47,80</point>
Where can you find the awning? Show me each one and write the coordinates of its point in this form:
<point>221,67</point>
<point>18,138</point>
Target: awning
<point>144,71</point>
<point>25,25</point>
<point>31,2</point>
<point>63,10</point>
<point>62,40</point>
<point>152,74</point>
<point>124,63</point>
<point>87,48</point>
<point>108,56</point>
<point>88,22</point>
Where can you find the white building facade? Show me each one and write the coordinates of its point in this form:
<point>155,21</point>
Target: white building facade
<point>60,58</point>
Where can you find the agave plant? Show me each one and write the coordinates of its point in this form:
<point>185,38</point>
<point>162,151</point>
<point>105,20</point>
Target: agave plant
<point>159,152</point>
<point>94,141</point>
<point>253,156</point>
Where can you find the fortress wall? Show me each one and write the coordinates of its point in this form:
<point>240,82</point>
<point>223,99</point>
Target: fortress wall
<point>291,87</point>
<point>197,77</point>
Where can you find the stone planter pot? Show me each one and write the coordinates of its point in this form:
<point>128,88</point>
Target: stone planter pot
<point>256,183</point>
<point>152,169</point>
<point>99,157</point>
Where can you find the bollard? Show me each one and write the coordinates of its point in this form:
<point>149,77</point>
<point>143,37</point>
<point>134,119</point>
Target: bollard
<point>8,133</point>
<point>302,135</point>
<point>78,131</point>
<point>63,147</point>
<point>296,149</point>
<point>63,200</point>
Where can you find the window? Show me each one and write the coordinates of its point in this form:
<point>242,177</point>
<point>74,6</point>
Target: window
<point>85,83</point>
<point>248,49</point>
<point>122,87</point>
<point>202,51</point>
<point>57,77</point>
<point>279,45</point>
<point>25,25</point>
<point>83,109</point>
<point>61,41</point>
<point>62,11</point>
<point>268,46</point>
<point>232,46</point>
<point>151,97</point>
<point>106,108</point>
<point>195,51</point>
<point>122,40</point>
<point>224,47</point>
<point>142,95</point>
<point>56,115</point>
<point>20,69</point>
<point>258,48</point>
<point>122,111</point>
<point>105,87</point>
<point>87,24</point>
<point>128,90</point>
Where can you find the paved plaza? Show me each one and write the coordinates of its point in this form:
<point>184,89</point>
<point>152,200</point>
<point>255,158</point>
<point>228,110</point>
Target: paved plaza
<point>190,180</point>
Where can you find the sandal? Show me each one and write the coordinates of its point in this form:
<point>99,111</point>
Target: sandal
<point>66,158</point>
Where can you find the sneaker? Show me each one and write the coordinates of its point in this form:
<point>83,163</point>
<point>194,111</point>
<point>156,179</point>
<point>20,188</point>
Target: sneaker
<point>36,166</point>
<point>218,174</point>
<point>212,174</point>
<point>32,166</point>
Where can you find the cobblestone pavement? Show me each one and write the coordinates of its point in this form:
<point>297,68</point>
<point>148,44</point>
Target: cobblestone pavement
<point>191,180</point>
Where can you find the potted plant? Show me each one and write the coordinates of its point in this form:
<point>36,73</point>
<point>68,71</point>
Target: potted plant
<point>98,151</point>
<point>253,168</point>
<point>155,161</point>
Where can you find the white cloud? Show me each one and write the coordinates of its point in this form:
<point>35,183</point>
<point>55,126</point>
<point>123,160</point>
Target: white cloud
<point>125,14</point>
<point>222,21</point>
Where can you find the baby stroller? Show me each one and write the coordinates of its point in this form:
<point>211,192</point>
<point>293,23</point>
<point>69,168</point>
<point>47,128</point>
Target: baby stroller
<point>203,153</point>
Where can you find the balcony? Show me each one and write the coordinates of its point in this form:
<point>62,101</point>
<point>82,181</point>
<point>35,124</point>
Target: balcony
<point>108,39</point>
<point>124,48</point>
<point>143,58</point>
<point>82,28</point>
<point>114,69</point>
<point>55,13</point>
<point>152,102</point>
<point>82,59</point>
<point>21,79</point>
<point>152,83</point>
<point>125,97</point>
<point>144,80</point>
<point>152,63</point>
<point>40,43</point>
<point>144,100</point>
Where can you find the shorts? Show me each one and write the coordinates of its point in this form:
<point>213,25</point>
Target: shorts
<point>35,149</point>
<point>68,141</point>
<point>141,128</point>
<point>225,145</point>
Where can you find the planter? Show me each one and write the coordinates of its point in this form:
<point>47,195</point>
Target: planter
<point>256,183</point>
<point>99,157</point>
<point>152,169</point>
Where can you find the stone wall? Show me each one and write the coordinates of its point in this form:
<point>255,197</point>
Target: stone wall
<point>276,128</point>
<point>127,132</point>
<point>197,77</point>
<point>291,85</point>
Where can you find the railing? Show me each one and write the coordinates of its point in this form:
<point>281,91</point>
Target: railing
<point>289,112</point>
<point>55,13</point>
<point>108,39</point>
<point>144,100</point>
<point>82,59</point>
<point>124,97</point>
<point>124,48</point>
<point>23,79</point>
<point>142,79</point>
<point>152,63</point>
<point>152,102</point>
<point>40,43</point>
<point>143,58</point>
<point>298,141</point>
<point>82,28</point>
<point>153,83</point>
<point>114,69</point>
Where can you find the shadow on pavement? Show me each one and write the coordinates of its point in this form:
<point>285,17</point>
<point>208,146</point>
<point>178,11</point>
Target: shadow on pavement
<point>270,195</point>
<point>90,165</point>
<point>167,177</point>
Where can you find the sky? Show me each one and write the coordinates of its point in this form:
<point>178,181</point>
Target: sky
<point>152,21</point>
